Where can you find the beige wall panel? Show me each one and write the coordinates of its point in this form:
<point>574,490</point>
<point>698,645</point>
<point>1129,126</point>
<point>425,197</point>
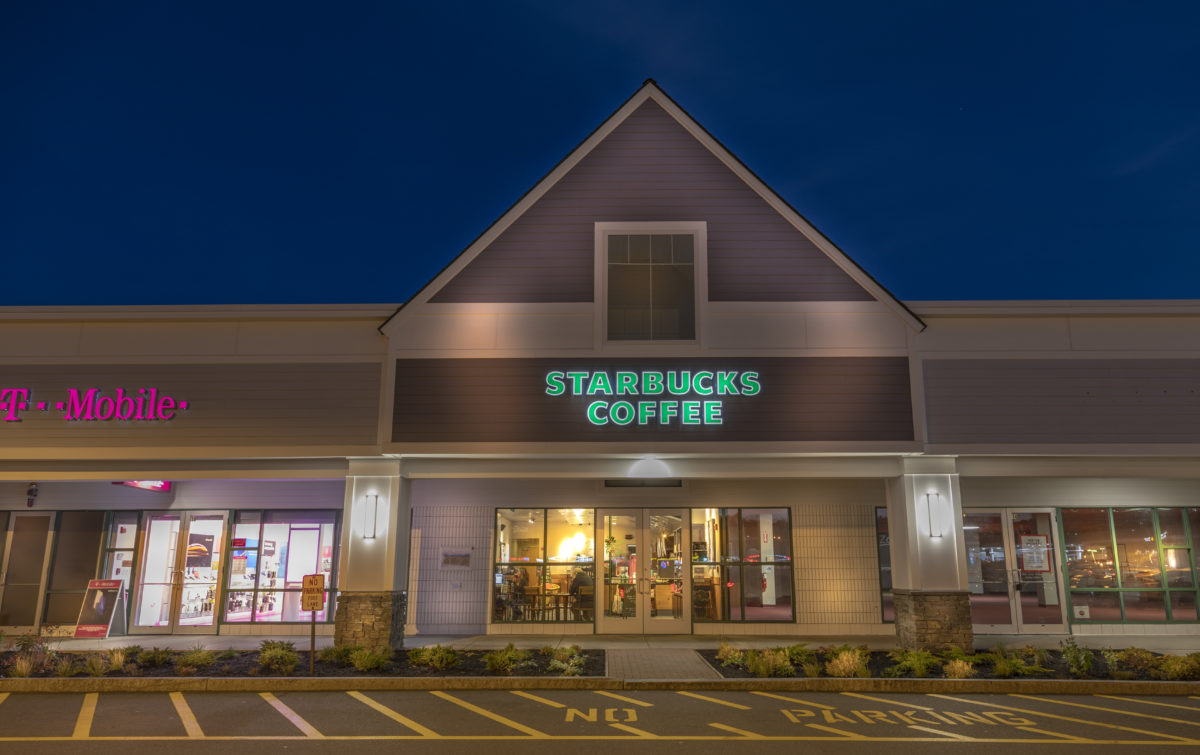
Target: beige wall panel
<point>316,404</point>
<point>856,330</point>
<point>544,331</point>
<point>995,334</point>
<point>452,332</point>
<point>982,492</point>
<point>317,338</point>
<point>186,494</point>
<point>1135,333</point>
<point>756,330</point>
<point>167,338</point>
<point>39,339</point>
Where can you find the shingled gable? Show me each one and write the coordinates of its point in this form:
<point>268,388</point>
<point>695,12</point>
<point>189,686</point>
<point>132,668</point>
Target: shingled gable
<point>650,161</point>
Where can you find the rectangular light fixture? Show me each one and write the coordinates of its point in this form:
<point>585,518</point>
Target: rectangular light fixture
<point>370,516</point>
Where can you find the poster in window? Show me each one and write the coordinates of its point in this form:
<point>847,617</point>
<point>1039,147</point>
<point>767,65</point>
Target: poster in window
<point>200,551</point>
<point>1035,553</point>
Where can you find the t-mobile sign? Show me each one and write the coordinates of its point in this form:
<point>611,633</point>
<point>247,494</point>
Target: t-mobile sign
<point>140,405</point>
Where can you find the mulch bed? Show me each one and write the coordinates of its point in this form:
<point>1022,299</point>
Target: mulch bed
<point>245,664</point>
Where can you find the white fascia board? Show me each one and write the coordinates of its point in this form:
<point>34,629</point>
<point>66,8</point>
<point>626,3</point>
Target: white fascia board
<point>1056,307</point>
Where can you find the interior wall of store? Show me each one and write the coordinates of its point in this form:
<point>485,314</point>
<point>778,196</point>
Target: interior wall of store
<point>835,559</point>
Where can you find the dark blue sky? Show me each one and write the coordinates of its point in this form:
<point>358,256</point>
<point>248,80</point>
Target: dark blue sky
<point>212,152</point>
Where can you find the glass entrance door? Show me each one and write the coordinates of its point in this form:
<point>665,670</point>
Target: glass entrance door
<point>644,582</point>
<point>179,584</point>
<point>1012,572</point>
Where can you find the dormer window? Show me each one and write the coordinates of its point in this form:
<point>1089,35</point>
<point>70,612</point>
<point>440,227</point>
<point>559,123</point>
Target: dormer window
<point>650,280</point>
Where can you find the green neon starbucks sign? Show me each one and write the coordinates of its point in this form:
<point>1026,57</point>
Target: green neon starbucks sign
<point>679,397</point>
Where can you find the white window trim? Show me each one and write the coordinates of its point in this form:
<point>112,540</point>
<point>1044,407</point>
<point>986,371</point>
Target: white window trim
<point>699,230</point>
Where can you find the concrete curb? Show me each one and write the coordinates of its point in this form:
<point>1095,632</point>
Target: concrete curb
<point>343,683</point>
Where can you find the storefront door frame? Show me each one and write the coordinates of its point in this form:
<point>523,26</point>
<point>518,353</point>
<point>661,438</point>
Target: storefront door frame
<point>177,572</point>
<point>46,555</point>
<point>646,614</point>
<point>1015,576</point>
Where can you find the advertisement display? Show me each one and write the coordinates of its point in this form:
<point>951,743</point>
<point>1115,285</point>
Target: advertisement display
<point>103,602</point>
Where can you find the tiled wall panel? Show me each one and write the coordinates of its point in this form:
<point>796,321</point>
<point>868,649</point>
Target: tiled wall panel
<point>837,565</point>
<point>455,599</point>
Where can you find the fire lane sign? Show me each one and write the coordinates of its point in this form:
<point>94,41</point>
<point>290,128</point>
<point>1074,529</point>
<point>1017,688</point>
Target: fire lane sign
<point>312,593</point>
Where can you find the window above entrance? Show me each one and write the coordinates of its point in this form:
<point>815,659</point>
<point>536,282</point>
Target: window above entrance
<point>648,277</point>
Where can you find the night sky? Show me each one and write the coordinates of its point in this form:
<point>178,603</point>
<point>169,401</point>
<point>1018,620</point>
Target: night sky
<point>209,152</point>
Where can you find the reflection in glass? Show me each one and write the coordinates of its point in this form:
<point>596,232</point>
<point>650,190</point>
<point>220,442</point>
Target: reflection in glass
<point>1137,548</point>
<point>987,569</point>
<point>620,565</point>
<point>666,564</point>
<point>1088,548</point>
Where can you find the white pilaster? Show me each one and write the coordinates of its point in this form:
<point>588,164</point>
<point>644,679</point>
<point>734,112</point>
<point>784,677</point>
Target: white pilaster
<point>925,526</point>
<point>378,563</point>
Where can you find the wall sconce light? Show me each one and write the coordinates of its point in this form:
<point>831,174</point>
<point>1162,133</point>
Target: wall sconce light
<point>933,498</point>
<point>370,516</point>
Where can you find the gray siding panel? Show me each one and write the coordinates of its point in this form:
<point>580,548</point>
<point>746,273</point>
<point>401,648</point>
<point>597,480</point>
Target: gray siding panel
<point>650,169</point>
<point>314,404</point>
<point>504,400</point>
<point>1063,401</point>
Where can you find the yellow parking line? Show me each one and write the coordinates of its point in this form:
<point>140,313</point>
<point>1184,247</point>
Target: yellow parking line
<point>641,734</point>
<point>889,702</point>
<point>398,718</point>
<point>830,729</point>
<point>304,726</point>
<point>1107,710</point>
<point>3,696</point>
<point>1084,721</point>
<point>820,706</point>
<point>714,700</point>
<point>624,699</point>
<point>948,734</point>
<point>184,711</point>
<point>1149,702</point>
<point>739,732</point>
<point>488,714</point>
<point>87,711</point>
<point>536,699</point>
<point>1066,737</point>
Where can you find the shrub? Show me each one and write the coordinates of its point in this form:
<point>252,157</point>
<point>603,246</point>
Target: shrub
<point>507,660</point>
<point>95,665</point>
<point>367,660</point>
<point>132,669</point>
<point>442,658</point>
<point>279,659</point>
<point>1079,660</point>
<point>573,666</point>
<point>799,654</point>
<point>132,652</point>
<point>116,658</point>
<point>66,667</point>
<point>955,653</point>
<point>184,670</point>
<point>419,656</point>
<point>916,663</point>
<point>766,663</point>
<point>339,654</point>
<point>957,668</point>
<point>154,657</point>
<point>812,668</point>
<point>1130,663</point>
<point>848,662</point>
<point>228,654</point>
<point>1035,655</point>
<point>729,655</point>
<point>1006,667</point>
<point>547,650</point>
<point>1178,667</point>
<point>276,645</point>
<point>197,658</point>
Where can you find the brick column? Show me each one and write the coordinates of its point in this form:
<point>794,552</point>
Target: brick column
<point>371,619</point>
<point>933,620</point>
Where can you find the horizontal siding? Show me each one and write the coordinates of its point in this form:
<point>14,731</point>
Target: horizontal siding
<point>504,400</point>
<point>228,404</point>
<point>1063,401</point>
<point>650,169</point>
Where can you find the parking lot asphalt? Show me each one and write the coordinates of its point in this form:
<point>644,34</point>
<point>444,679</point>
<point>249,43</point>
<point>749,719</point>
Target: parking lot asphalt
<point>467,720</point>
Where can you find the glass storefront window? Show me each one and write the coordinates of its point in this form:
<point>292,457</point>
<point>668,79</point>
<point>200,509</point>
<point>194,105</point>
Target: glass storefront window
<point>271,553</point>
<point>120,545</point>
<point>1146,575</point>
<point>1087,543</point>
<point>76,550</point>
<point>1137,548</point>
<point>545,565</point>
<point>750,576</point>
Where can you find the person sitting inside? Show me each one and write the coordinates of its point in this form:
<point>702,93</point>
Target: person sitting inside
<point>581,591</point>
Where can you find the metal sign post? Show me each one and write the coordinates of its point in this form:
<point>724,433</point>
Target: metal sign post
<point>312,599</point>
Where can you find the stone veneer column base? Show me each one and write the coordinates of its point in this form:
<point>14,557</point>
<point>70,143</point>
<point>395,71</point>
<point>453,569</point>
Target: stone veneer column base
<point>370,619</point>
<point>927,620</point>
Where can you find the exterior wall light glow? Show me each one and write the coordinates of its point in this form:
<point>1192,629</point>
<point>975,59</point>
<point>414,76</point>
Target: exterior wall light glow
<point>932,499</point>
<point>370,516</point>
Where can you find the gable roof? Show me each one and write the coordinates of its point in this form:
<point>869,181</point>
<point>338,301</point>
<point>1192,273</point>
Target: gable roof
<point>651,93</point>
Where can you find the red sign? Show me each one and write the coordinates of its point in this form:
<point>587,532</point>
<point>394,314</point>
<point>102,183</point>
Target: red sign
<point>239,542</point>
